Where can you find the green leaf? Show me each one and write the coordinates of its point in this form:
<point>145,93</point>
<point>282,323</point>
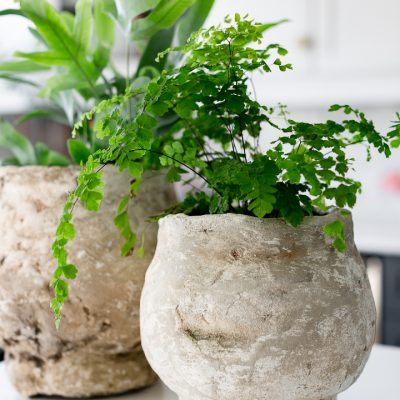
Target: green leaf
<point>159,108</point>
<point>262,203</point>
<point>158,43</point>
<point>56,32</point>
<point>9,161</point>
<point>121,221</point>
<point>134,8</point>
<point>69,20</point>
<point>21,67</point>
<point>78,151</point>
<point>193,20</point>
<point>395,143</point>
<point>336,230</point>
<point>135,169</point>
<point>123,205</point>
<point>128,246</point>
<point>258,184</point>
<point>163,16</point>
<point>65,231</point>
<point>17,79</point>
<point>47,157</point>
<point>173,175</point>
<point>146,121</point>
<point>282,51</point>
<point>288,202</point>
<point>61,289</point>
<point>340,245</point>
<point>83,26</point>
<point>46,58</point>
<point>178,148</point>
<point>11,11</point>
<point>165,161</point>
<point>104,24</point>
<point>52,115</point>
<point>70,271</point>
<point>17,144</point>
<point>126,11</point>
<point>259,30</point>
<point>335,107</point>
<point>104,28</point>
<point>62,82</point>
<point>55,158</point>
<point>93,200</point>
<point>169,150</point>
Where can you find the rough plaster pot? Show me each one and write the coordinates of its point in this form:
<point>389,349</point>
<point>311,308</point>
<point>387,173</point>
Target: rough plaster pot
<point>97,350</point>
<point>236,307</point>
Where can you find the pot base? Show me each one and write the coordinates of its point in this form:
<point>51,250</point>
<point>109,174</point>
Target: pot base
<point>207,398</point>
<point>79,374</point>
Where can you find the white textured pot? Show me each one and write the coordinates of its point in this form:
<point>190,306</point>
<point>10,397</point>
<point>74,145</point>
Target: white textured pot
<point>97,351</point>
<point>235,307</point>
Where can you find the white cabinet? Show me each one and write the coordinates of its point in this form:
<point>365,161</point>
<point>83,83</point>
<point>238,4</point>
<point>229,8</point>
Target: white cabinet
<point>360,36</point>
<point>296,35</point>
<point>343,51</point>
<point>346,37</point>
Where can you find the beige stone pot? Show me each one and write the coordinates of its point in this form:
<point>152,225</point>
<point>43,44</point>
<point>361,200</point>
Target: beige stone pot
<point>97,351</point>
<point>235,307</point>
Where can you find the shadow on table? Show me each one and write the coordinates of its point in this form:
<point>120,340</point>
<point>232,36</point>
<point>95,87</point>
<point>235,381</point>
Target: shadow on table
<point>125,395</point>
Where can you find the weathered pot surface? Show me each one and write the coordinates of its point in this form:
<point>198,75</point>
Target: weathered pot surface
<point>97,350</point>
<point>235,307</point>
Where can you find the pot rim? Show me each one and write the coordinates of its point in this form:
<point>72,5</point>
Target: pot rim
<point>177,227</point>
<point>38,167</point>
<point>332,212</point>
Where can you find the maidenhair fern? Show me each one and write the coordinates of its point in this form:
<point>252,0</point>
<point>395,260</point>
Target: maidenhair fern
<point>213,143</point>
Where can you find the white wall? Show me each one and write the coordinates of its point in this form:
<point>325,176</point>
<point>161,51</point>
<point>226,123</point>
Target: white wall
<point>343,51</point>
<point>341,36</point>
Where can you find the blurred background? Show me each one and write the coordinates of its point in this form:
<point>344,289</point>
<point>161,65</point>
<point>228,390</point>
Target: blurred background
<point>344,52</point>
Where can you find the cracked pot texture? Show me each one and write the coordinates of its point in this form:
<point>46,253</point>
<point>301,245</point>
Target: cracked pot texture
<point>236,307</point>
<point>97,350</point>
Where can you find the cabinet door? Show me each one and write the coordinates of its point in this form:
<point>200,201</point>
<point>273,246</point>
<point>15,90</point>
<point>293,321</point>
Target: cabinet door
<point>330,36</point>
<point>360,36</point>
<point>297,35</point>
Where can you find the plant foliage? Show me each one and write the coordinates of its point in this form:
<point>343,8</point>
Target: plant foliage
<point>214,143</point>
<point>23,152</point>
<point>74,50</point>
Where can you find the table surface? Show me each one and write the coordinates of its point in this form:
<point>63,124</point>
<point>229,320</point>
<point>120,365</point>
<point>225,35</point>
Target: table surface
<point>380,380</point>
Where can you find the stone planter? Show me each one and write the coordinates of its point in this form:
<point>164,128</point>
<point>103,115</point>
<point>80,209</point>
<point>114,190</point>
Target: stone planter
<point>97,351</point>
<point>235,307</point>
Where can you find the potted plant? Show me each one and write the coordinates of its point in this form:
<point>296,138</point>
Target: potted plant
<point>99,351</point>
<point>256,289</point>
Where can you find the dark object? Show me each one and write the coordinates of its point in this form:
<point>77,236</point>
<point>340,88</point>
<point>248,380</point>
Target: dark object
<point>69,5</point>
<point>1,355</point>
<point>391,301</point>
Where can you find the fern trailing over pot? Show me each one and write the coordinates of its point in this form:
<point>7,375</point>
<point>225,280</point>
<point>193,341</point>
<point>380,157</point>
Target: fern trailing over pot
<point>74,65</point>
<point>215,143</point>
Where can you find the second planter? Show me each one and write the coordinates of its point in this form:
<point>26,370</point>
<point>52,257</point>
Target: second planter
<point>97,351</point>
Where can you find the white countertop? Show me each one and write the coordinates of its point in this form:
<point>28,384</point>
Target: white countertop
<point>379,381</point>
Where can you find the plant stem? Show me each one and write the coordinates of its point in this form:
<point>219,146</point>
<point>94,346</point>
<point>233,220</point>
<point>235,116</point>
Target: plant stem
<point>229,82</point>
<point>76,197</point>
<point>108,84</point>
<point>182,163</point>
<point>191,127</point>
<point>128,73</point>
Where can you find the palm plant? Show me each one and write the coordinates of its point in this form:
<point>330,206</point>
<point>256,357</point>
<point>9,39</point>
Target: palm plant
<point>75,54</point>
